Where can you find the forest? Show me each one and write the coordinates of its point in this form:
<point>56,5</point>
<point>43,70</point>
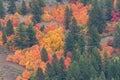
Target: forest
<point>62,39</point>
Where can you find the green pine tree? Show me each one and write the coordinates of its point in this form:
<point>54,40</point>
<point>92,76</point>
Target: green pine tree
<point>96,61</point>
<point>68,16</point>
<point>2,9</point>
<point>23,8</point>
<point>102,76</point>
<point>40,75</point>
<point>4,36</point>
<point>73,72</point>
<point>31,34</point>
<point>81,44</point>
<point>9,28</point>
<point>44,55</point>
<point>61,70</point>
<point>94,39</point>
<point>49,71</point>
<point>118,4</point>
<point>41,3</point>
<point>42,28</point>
<point>117,37</point>
<point>109,7</point>
<point>21,38</point>
<point>12,7</point>
<point>69,43</point>
<point>85,2</point>
<point>37,12</point>
<point>75,29</point>
<point>97,17</point>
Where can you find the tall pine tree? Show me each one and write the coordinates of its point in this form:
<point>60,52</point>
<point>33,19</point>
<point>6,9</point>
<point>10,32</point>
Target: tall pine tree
<point>11,6</point>
<point>68,16</point>
<point>2,9</point>
<point>94,39</point>
<point>109,7</point>
<point>20,39</point>
<point>97,17</point>
<point>31,34</point>
<point>4,36</point>
<point>23,8</point>
<point>44,55</point>
<point>117,37</point>
<point>40,75</point>
<point>37,12</point>
<point>9,28</point>
<point>69,43</point>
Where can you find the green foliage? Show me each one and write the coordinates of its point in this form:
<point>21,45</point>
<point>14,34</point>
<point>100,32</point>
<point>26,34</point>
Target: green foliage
<point>85,2</point>
<point>69,43</point>
<point>68,16</point>
<point>23,8</point>
<point>56,70</point>
<point>12,7</point>
<point>37,12</point>
<point>117,37</point>
<point>75,29</point>
<point>40,75</point>
<point>94,39</point>
<point>118,4</point>
<point>9,28</point>
<point>97,17</point>
<point>4,36</point>
<point>41,3</point>
<point>2,9</point>
<point>96,61</point>
<point>20,39</point>
<point>42,28</point>
<point>31,34</point>
<point>81,70</point>
<point>44,55</point>
<point>81,43</point>
<point>109,7</point>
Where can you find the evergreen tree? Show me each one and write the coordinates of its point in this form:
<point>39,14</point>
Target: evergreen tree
<point>42,28</point>
<point>68,16</point>
<point>81,70</point>
<point>4,36</point>
<point>2,9</point>
<point>37,12</point>
<point>9,28</point>
<point>118,4</point>
<point>96,61</point>
<point>62,70</point>
<point>49,71</point>
<point>75,29</point>
<point>41,3</point>
<point>20,39</point>
<point>59,1</point>
<point>117,37</point>
<point>109,7</point>
<point>69,43</point>
<point>12,6</point>
<point>85,2</point>
<point>24,8</point>
<point>107,67</point>
<point>31,34</point>
<point>44,55</point>
<point>102,76</point>
<point>40,75</point>
<point>94,39</point>
<point>97,17</point>
<point>73,72</point>
<point>81,43</point>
